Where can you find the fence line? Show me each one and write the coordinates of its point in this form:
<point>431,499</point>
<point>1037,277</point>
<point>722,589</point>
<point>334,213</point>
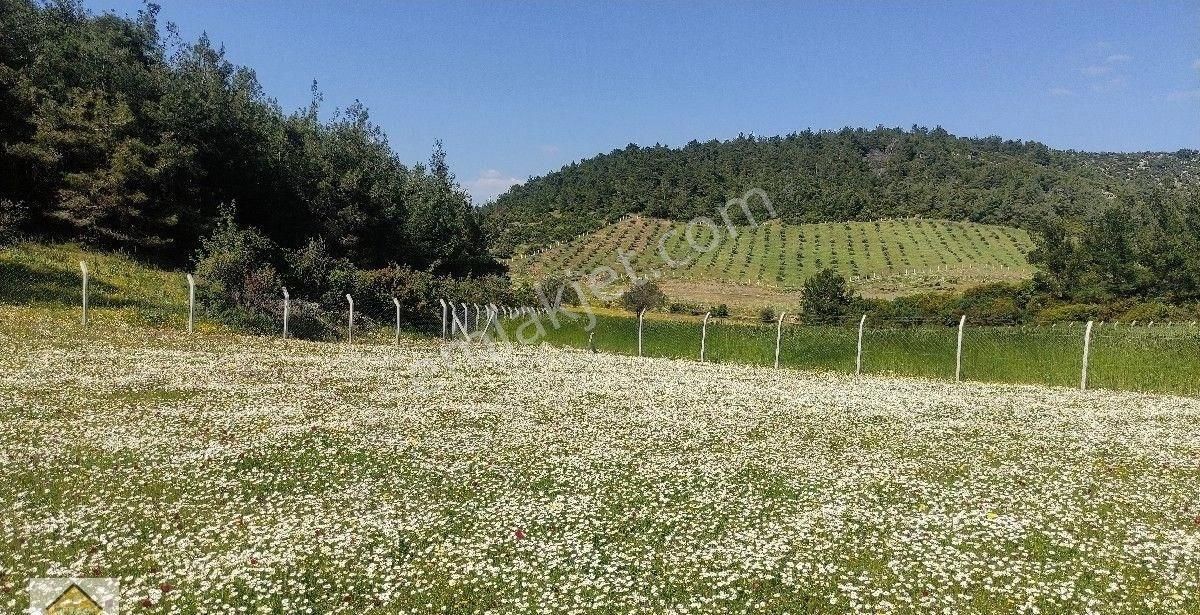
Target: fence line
<point>1151,354</point>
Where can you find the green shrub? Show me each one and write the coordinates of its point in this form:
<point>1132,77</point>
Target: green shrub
<point>1157,311</point>
<point>826,296</point>
<point>644,295</point>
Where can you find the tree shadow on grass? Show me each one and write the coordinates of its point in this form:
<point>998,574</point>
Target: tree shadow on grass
<point>21,284</point>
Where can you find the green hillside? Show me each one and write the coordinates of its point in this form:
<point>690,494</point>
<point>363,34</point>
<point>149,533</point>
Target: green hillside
<point>882,258</point>
<point>849,174</point>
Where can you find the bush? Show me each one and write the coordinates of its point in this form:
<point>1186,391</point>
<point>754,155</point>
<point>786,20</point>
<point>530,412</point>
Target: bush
<point>767,314</point>
<point>236,281</point>
<point>644,295</point>
<point>826,296</point>
<point>721,311</point>
<point>1156,311</point>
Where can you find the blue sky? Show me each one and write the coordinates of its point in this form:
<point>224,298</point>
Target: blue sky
<point>520,89</point>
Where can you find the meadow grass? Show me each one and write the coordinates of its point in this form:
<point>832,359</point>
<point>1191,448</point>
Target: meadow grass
<point>227,473</point>
<point>47,276</point>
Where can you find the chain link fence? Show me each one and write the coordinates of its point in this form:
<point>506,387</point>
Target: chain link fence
<point>1151,357</point>
<point>1141,356</point>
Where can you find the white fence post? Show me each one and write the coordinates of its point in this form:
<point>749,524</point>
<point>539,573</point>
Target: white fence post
<point>476,316</point>
<point>191,301</point>
<point>464,325</point>
<point>457,325</point>
<point>286,304</point>
<point>640,315</point>
<point>858,357</point>
<point>350,322</point>
<point>397,302</point>
<point>962,322</point>
<point>491,318</point>
<point>778,336</point>
<point>83,266</point>
<point>704,334</point>
<point>443,302</point>
<point>1087,346</point>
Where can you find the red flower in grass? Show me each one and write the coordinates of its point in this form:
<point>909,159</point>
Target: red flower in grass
<point>166,587</point>
<point>146,602</point>
<point>519,534</point>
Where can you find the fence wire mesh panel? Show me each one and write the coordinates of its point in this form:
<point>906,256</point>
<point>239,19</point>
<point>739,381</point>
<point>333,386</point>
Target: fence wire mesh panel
<point>675,338</point>
<point>1157,358</point>
<point>906,347</point>
<point>749,344</point>
<point>827,346</point>
<point>1048,355</point>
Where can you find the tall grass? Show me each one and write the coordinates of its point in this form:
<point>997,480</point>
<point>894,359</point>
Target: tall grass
<point>1159,359</point>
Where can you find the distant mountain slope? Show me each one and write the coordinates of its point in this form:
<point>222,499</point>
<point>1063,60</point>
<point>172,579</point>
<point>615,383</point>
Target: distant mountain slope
<point>882,257</point>
<point>851,174</point>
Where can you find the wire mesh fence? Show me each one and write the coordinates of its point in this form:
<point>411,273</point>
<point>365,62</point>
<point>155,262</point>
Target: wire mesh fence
<point>1153,358</point>
<point>1145,356</point>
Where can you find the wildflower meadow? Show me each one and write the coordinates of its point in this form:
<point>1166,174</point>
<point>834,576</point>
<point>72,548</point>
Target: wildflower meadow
<point>223,473</point>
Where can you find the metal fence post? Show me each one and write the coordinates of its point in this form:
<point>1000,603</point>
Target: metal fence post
<point>191,301</point>
<point>397,302</point>
<point>464,326</point>
<point>287,300</point>
<point>704,334</point>
<point>958,355</point>
<point>858,357</point>
<point>1087,344</point>
<point>491,316</point>
<point>350,322</point>
<point>476,316</point>
<point>443,302</point>
<point>778,336</point>
<point>83,266</point>
<point>641,313</point>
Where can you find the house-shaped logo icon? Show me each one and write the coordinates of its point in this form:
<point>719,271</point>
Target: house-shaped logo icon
<point>74,596</point>
<point>74,601</point>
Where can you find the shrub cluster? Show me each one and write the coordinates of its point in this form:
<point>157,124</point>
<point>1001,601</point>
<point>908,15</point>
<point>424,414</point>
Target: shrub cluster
<point>241,275</point>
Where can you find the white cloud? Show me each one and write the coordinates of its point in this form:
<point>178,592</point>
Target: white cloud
<point>1061,92</point>
<point>1118,57</point>
<point>549,150</point>
<point>1184,95</point>
<point>1097,70</point>
<point>490,184</point>
<point>1196,64</point>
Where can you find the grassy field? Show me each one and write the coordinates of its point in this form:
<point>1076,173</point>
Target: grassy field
<point>47,277</point>
<point>1158,359</point>
<point>761,265</point>
<point>222,473</point>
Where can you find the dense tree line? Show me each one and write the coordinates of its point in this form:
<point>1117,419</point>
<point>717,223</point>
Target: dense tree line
<point>122,136</point>
<point>859,174</point>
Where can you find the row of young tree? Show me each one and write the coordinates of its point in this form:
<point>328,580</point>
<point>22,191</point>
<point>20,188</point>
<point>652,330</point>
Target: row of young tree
<point>119,134</point>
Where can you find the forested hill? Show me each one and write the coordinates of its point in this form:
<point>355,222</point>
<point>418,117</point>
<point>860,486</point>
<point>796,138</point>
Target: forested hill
<point>122,136</point>
<point>850,174</point>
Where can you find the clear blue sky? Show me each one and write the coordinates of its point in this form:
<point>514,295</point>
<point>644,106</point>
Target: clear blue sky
<point>519,89</point>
